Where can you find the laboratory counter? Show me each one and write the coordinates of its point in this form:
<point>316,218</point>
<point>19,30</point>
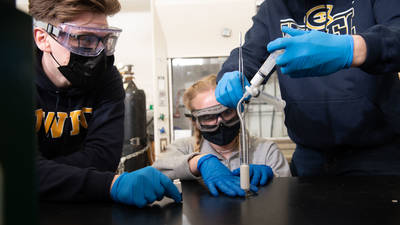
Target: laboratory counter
<point>284,201</point>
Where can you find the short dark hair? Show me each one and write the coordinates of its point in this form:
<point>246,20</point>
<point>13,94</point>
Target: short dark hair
<point>59,11</point>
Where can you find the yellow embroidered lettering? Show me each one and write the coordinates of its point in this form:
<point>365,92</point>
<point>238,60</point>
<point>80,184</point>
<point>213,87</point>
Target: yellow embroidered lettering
<point>83,117</point>
<point>58,125</point>
<point>74,115</point>
<point>39,119</point>
<point>48,120</point>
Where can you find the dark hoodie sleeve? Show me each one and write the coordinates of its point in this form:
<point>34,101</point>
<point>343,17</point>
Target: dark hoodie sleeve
<point>383,39</point>
<point>58,182</point>
<point>254,49</point>
<point>103,143</point>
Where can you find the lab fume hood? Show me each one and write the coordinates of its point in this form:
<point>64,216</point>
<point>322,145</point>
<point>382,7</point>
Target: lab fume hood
<point>263,120</point>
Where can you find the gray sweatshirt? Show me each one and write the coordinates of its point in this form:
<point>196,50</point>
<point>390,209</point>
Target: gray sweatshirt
<point>175,161</point>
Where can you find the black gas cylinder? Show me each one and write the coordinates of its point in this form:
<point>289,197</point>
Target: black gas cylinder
<point>135,136</point>
<point>135,148</point>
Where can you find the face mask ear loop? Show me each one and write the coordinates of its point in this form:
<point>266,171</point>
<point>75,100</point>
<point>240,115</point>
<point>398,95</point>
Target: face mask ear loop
<point>54,59</point>
<point>51,53</point>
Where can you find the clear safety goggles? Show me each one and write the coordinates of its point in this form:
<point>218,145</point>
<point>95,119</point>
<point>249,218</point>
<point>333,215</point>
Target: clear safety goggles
<point>84,41</point>
<point>207,119</point>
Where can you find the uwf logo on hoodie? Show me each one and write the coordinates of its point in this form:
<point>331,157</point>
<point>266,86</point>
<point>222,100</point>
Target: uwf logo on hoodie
<point>55,121</point>
<point>321,18</point>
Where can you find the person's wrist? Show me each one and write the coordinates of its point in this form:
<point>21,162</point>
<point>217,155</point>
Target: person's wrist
<point>203,159</point>
<point>193,164</point>
<point>359,51</point>
<point>113,181</point>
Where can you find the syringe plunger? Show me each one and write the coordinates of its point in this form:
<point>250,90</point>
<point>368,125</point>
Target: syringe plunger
<point>245,177</point>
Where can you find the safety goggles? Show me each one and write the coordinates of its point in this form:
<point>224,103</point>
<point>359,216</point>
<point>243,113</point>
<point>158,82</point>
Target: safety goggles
<point>207,119</point>
<point>84,41</point>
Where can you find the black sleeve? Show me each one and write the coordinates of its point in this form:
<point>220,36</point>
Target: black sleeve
<point>383,39</point>
<point>58,182</point>
<point>103,143</point>
<point>254,49</point>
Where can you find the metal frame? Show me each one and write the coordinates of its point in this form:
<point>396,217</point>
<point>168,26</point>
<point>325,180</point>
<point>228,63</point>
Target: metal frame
<point>170,101</point>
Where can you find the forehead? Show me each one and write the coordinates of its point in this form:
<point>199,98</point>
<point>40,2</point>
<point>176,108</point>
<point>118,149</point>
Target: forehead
<point>94,20</point>
<point>204,100</point>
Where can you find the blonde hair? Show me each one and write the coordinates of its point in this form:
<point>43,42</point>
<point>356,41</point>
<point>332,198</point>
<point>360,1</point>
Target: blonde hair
<point>60,11</point>
<point>205,84</point>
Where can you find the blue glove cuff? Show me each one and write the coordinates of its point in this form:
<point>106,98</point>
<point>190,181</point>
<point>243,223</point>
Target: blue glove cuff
<point>203,159</point>
<point>114,189</point>
<point>350,42</point>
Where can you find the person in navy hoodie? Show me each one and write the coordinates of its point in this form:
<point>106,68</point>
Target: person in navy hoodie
<point>80,108</point>
<point>338,76</point>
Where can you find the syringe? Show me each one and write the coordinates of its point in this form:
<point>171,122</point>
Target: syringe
<point>261,74</point>
<point>253,90</point>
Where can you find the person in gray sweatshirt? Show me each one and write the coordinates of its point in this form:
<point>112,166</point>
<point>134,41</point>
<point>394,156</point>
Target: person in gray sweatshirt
<point>213,152</point>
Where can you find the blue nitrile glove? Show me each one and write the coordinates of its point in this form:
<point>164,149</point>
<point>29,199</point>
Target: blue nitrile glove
<point>142,187</point>
<point>218,177</point>
<point>229,89</point>
<point>312,53</point>
<point>259,174</point>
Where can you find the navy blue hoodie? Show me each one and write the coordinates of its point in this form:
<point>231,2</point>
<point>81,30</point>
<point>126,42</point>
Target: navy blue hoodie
<point>80,135</point>
<point>352,108</point>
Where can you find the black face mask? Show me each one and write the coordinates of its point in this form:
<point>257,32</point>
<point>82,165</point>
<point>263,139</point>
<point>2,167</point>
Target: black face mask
<point>223,135</point>
<point>82,71</point>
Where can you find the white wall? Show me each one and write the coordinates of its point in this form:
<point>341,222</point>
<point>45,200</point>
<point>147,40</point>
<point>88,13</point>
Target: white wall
<point>160,79</point>
<point>192,28</point>
<point>135,47</point>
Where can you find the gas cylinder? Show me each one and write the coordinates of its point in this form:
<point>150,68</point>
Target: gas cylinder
<point>135,135</point>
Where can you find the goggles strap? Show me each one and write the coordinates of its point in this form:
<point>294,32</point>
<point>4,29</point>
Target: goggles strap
<point>48,27</point>
<point>51,29</point>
